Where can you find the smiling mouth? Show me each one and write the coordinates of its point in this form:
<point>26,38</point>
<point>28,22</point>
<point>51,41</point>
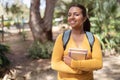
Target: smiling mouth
<point>72,22</point>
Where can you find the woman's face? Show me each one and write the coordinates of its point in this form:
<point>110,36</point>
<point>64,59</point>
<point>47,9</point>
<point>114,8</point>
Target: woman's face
<point>75,17</point>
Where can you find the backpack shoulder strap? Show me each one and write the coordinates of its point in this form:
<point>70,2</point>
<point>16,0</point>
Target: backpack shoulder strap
<point>91,39</point>
<point>66,37</point>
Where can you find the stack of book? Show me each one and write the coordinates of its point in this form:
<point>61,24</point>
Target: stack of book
<point>78,54</point>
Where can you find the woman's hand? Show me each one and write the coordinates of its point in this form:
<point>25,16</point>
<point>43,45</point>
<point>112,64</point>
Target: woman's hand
<point>67,60</point>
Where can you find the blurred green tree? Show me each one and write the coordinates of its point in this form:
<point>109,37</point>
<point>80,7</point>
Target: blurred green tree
<point>16,11</point>
<point>105,23</point>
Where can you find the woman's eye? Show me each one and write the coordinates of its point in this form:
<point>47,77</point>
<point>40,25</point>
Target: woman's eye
<point>76,14</point>
<point>69,15</point>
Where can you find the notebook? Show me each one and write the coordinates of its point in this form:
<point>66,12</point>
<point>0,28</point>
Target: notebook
<point>78,54</point>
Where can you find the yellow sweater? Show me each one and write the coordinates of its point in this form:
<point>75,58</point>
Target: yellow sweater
<point>79,69</point>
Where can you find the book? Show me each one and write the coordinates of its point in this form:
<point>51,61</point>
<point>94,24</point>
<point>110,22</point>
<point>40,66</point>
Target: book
<point>78,54</point>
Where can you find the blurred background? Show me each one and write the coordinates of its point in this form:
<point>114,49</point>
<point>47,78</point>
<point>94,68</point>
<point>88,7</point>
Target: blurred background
<point>28,29</point>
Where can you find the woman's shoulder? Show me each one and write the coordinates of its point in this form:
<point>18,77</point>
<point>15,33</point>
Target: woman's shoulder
<point>92,35</point>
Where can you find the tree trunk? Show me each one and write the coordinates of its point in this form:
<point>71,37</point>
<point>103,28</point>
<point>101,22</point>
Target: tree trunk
<point>50,4</point>
<point>2,28</point>
<point>41,27</point>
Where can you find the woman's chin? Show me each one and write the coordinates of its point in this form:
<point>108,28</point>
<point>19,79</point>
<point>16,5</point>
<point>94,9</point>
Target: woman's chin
<point>73,26</point>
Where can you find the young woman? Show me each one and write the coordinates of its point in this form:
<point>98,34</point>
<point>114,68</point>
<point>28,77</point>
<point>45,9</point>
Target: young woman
<point>67,67</point>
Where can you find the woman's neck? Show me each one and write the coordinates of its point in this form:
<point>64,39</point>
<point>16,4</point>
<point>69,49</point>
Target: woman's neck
<point>77,31</point>
<point>78,36</point>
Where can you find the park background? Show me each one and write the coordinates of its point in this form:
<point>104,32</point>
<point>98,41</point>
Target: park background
<point>28,30</point>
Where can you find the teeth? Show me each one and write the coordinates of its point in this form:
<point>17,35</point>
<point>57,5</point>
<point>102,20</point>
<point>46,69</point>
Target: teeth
<point>72,22</point>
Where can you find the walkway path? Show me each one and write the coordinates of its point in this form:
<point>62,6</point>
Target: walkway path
<point>110,70</point>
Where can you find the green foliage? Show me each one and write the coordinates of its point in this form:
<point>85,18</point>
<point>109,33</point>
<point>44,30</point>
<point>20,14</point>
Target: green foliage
<point>4,48</point>
<point>40,50</point>
<point>4,62</point>
<point>7,24</point>
<point>15,9</point>
<point>105,23</point>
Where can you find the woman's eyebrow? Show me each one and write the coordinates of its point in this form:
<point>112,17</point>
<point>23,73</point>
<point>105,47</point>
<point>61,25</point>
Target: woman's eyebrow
<point>73,12</point>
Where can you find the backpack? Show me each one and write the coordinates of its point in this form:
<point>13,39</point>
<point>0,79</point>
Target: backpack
<point>66,37</point>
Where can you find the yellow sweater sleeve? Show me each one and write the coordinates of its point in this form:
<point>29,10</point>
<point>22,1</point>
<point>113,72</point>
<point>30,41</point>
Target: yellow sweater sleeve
<point>90,64</point>
<point>57,62</point>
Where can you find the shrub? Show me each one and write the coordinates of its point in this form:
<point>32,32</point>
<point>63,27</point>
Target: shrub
<point>4,62</point>
<point>7,24</point>
<point>4,48</point>
<point>40,50</point>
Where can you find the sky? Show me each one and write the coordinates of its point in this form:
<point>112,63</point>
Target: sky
<point>27,2</point>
